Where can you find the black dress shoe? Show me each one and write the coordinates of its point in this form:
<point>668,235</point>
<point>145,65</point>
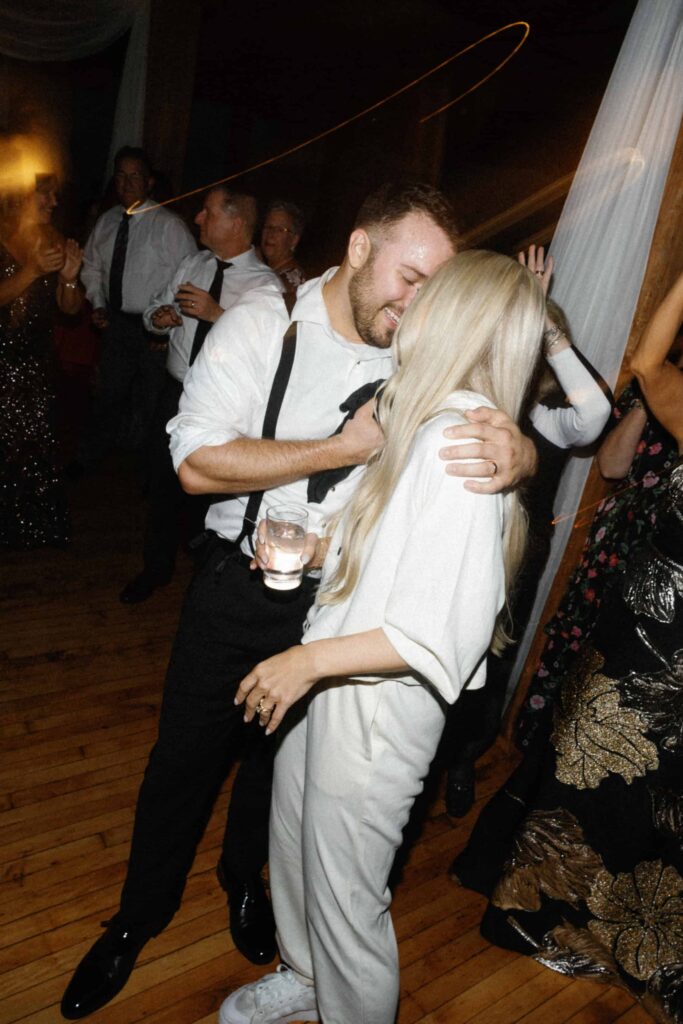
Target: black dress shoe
<point>252,924</point>
<point>141,587</point>
<point>459,794</point>
<point>103,971</point>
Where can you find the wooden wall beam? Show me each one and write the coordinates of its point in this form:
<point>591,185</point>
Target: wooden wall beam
<point>173,38</point>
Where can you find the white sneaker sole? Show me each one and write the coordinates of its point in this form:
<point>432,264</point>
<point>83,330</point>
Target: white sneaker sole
<point>228,1015</point>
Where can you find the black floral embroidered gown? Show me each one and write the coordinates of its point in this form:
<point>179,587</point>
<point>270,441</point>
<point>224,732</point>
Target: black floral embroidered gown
<point>581,852</point>
<point>622,521</point>
<point>33,509</point>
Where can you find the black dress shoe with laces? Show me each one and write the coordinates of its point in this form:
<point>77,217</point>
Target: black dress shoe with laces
<point>141,587</point>
<point>252,924</point>
<point>104,970</point>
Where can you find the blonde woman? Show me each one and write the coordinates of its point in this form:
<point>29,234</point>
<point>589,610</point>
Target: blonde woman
<point>412,595</point>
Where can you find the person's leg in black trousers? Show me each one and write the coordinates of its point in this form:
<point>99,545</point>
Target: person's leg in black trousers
<point>472,725</point>
<point>167,505</point>
<point>119,358</point>
<point>229,623</point>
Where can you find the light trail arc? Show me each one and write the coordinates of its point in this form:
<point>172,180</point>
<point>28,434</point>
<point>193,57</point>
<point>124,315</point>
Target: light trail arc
<point>368,110</point>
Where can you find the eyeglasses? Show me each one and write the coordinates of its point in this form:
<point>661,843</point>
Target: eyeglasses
<point>275,229</point>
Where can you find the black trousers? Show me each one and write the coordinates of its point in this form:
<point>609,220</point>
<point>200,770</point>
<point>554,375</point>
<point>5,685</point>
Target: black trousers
<point>129,379</point>
<point>169,508</point>
<point>230,621</point>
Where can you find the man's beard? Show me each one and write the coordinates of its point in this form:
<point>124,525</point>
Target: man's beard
<point>364,307</point>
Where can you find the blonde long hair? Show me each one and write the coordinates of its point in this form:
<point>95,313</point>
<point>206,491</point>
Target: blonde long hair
<point>475,326</point>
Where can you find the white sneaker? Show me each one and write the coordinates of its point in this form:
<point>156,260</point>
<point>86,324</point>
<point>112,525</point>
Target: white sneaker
<point>274,999</point>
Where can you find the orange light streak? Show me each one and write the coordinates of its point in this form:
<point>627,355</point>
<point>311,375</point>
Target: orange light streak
<point>587,508</point>
<point>368,110</point>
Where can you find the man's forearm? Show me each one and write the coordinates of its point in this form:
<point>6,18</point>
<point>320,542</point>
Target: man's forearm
<point>246,464</point>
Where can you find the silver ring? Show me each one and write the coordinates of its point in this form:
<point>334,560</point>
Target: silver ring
<point>495,467</point>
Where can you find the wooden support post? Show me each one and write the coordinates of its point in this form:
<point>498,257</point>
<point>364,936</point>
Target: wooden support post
<point>173,37</point>
<point>664,264</point>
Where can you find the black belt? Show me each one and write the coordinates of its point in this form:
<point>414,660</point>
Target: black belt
<point>214,542</point>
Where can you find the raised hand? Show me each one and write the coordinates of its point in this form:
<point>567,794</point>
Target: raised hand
<point>73,257</point>
<point>47,259</point>
<point>535,261</point>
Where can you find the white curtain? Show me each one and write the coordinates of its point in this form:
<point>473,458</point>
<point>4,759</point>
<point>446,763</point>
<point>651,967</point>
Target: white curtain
<point>602,241</point>
<point>59,30</point>
<point>39,30</point>
<point>129,119</point>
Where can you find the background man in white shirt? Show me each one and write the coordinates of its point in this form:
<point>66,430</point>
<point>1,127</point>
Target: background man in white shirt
<point>186,307</point>
<point>127,259</point>
<point>230,621</point>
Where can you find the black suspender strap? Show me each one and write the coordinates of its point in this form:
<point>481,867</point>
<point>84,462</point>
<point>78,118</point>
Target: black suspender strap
<point>275,399</point>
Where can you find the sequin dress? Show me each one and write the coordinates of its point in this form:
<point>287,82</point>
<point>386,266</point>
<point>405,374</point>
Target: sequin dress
<point>33,509</point>
<point>581,853</point>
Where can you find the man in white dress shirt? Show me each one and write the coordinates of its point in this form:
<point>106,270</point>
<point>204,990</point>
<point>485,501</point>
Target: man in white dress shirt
<point>186,307</point>
<point>128,257</point>
<point>344,323</point>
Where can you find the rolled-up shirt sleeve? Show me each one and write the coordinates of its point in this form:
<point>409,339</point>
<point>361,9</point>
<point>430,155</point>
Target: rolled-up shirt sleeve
<point>165,297</point>
<point>227,381</point>
<point>449,583</point>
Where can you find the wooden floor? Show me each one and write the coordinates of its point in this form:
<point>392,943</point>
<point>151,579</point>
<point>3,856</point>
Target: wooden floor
<point>81,679</point>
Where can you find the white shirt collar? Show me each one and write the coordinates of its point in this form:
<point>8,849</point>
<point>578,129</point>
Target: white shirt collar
<point>310,308</point>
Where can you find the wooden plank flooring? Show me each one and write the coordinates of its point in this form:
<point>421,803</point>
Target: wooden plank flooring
<point>81,677</point>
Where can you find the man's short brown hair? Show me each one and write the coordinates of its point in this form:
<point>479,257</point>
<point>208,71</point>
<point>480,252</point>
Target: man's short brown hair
<point>393,201</point>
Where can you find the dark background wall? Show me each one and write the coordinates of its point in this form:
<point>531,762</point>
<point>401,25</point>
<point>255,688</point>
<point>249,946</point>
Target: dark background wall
<point>263,77</point>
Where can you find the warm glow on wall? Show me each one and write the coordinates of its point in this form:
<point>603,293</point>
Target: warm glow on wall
<point>22,158</point>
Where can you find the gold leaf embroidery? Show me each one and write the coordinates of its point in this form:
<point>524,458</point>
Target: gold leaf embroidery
<point>595,734</point>
<point>639,916</point>
<point>550,855</point>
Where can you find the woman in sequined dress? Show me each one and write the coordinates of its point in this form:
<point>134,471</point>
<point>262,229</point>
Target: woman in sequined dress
<point>38,274</point>
<point>581,852</point>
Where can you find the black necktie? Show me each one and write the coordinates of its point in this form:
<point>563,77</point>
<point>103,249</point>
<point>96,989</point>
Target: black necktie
<point>118,261</point>
<point>204,326</point>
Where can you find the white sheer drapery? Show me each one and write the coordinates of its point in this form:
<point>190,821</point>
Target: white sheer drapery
<point>39,30</point>
<point>129,119</point>
<point>45,30</point>
<point>602,241</point>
